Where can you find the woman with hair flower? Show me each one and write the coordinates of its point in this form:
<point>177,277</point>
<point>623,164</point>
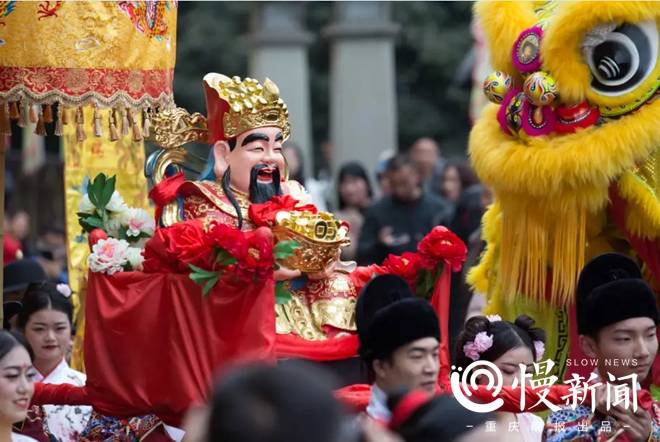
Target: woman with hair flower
<point>46,320</point>
<point>508,345</point>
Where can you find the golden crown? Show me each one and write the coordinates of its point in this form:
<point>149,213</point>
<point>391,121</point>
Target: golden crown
<point>251,105</point>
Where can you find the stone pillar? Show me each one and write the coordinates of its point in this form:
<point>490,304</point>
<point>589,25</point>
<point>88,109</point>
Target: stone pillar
<point>278,43</point>
<point>363,113</point>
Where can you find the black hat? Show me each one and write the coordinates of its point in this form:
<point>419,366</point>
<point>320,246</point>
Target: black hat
<point>380,292</point>
<point>611,289</point>
<point>398,324</point>
<point>9,310</point>
<point>19,274</point>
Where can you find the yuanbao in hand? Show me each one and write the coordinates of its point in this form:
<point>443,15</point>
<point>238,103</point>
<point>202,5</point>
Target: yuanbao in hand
<point>102,207</point>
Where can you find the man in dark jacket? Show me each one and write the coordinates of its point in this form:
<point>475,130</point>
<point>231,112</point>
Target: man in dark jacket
<point>397,222</point>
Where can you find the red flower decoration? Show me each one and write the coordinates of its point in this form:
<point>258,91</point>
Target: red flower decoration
<point>264,214</point>
<point>172,248</point>
<point>406,266</point>
<point>230,239</point>
<point>441,244</point>
<point>258,260</point>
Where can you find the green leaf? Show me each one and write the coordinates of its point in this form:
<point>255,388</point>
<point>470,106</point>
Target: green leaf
<point>94,190</point>
<point>282,294</point>
<point>210,284</point>
<point>224,258</point>
<point>106,191</point>
<point>91,222</point>
<point>424,283</point>
<point>284,249</point>
<point>84,214</point>
<point>655,392</point>
<point>200,271</point>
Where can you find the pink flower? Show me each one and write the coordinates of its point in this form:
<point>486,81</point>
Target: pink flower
<point>137,221</point>
<point>64,290</point>
<point>539,348</point>
<point>482,342</point>
<point>108,256</point>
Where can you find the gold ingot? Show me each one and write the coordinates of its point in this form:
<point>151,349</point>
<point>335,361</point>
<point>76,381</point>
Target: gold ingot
<point>320,237</point>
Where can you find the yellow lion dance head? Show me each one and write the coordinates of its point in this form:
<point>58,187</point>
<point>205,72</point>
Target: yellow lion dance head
<point>574,112</point>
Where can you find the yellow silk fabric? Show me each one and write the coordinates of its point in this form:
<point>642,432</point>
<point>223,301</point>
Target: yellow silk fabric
<point>88,34</point>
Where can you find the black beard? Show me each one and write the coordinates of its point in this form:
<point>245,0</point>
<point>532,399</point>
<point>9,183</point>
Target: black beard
<point>263,192</point>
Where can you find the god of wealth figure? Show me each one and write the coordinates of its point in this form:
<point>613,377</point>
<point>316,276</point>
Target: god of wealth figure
<point>247,123</point>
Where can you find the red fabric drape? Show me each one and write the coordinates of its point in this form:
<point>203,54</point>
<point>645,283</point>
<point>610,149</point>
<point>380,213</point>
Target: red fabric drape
<point>165,192</point>
<point>60,394</point>
<point>290,346</point>
<point>440,302</point>
<point>153,342</point>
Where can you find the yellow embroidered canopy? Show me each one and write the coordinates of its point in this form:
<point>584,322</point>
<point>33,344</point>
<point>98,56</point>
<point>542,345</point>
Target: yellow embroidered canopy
<point>116,56</point>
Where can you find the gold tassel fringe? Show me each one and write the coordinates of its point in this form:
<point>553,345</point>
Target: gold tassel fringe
<point>80,128</point>
<point>5,122</point>
<point>114,136</point>
<point>124,121</point>
<point>59,122</point>
<point>13,111</point>
<point>65,113</point>
<point>41,126</point>
<point>137,132</point>
<point>33,114</point>
<point>146,124</point>
<point>539,254</point>
<point>24,118</point>
<point>47,111</point>
<point>98,131</point>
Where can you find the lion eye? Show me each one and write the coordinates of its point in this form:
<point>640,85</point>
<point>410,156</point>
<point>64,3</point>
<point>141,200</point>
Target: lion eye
<point>621,57</point>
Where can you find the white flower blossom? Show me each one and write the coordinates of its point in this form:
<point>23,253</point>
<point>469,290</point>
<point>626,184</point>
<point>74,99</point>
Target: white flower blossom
<point>116,203</point>
<point>135,258</point>
<point>108,256</point>
<point>86,205</point>
<point>137,221</point>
